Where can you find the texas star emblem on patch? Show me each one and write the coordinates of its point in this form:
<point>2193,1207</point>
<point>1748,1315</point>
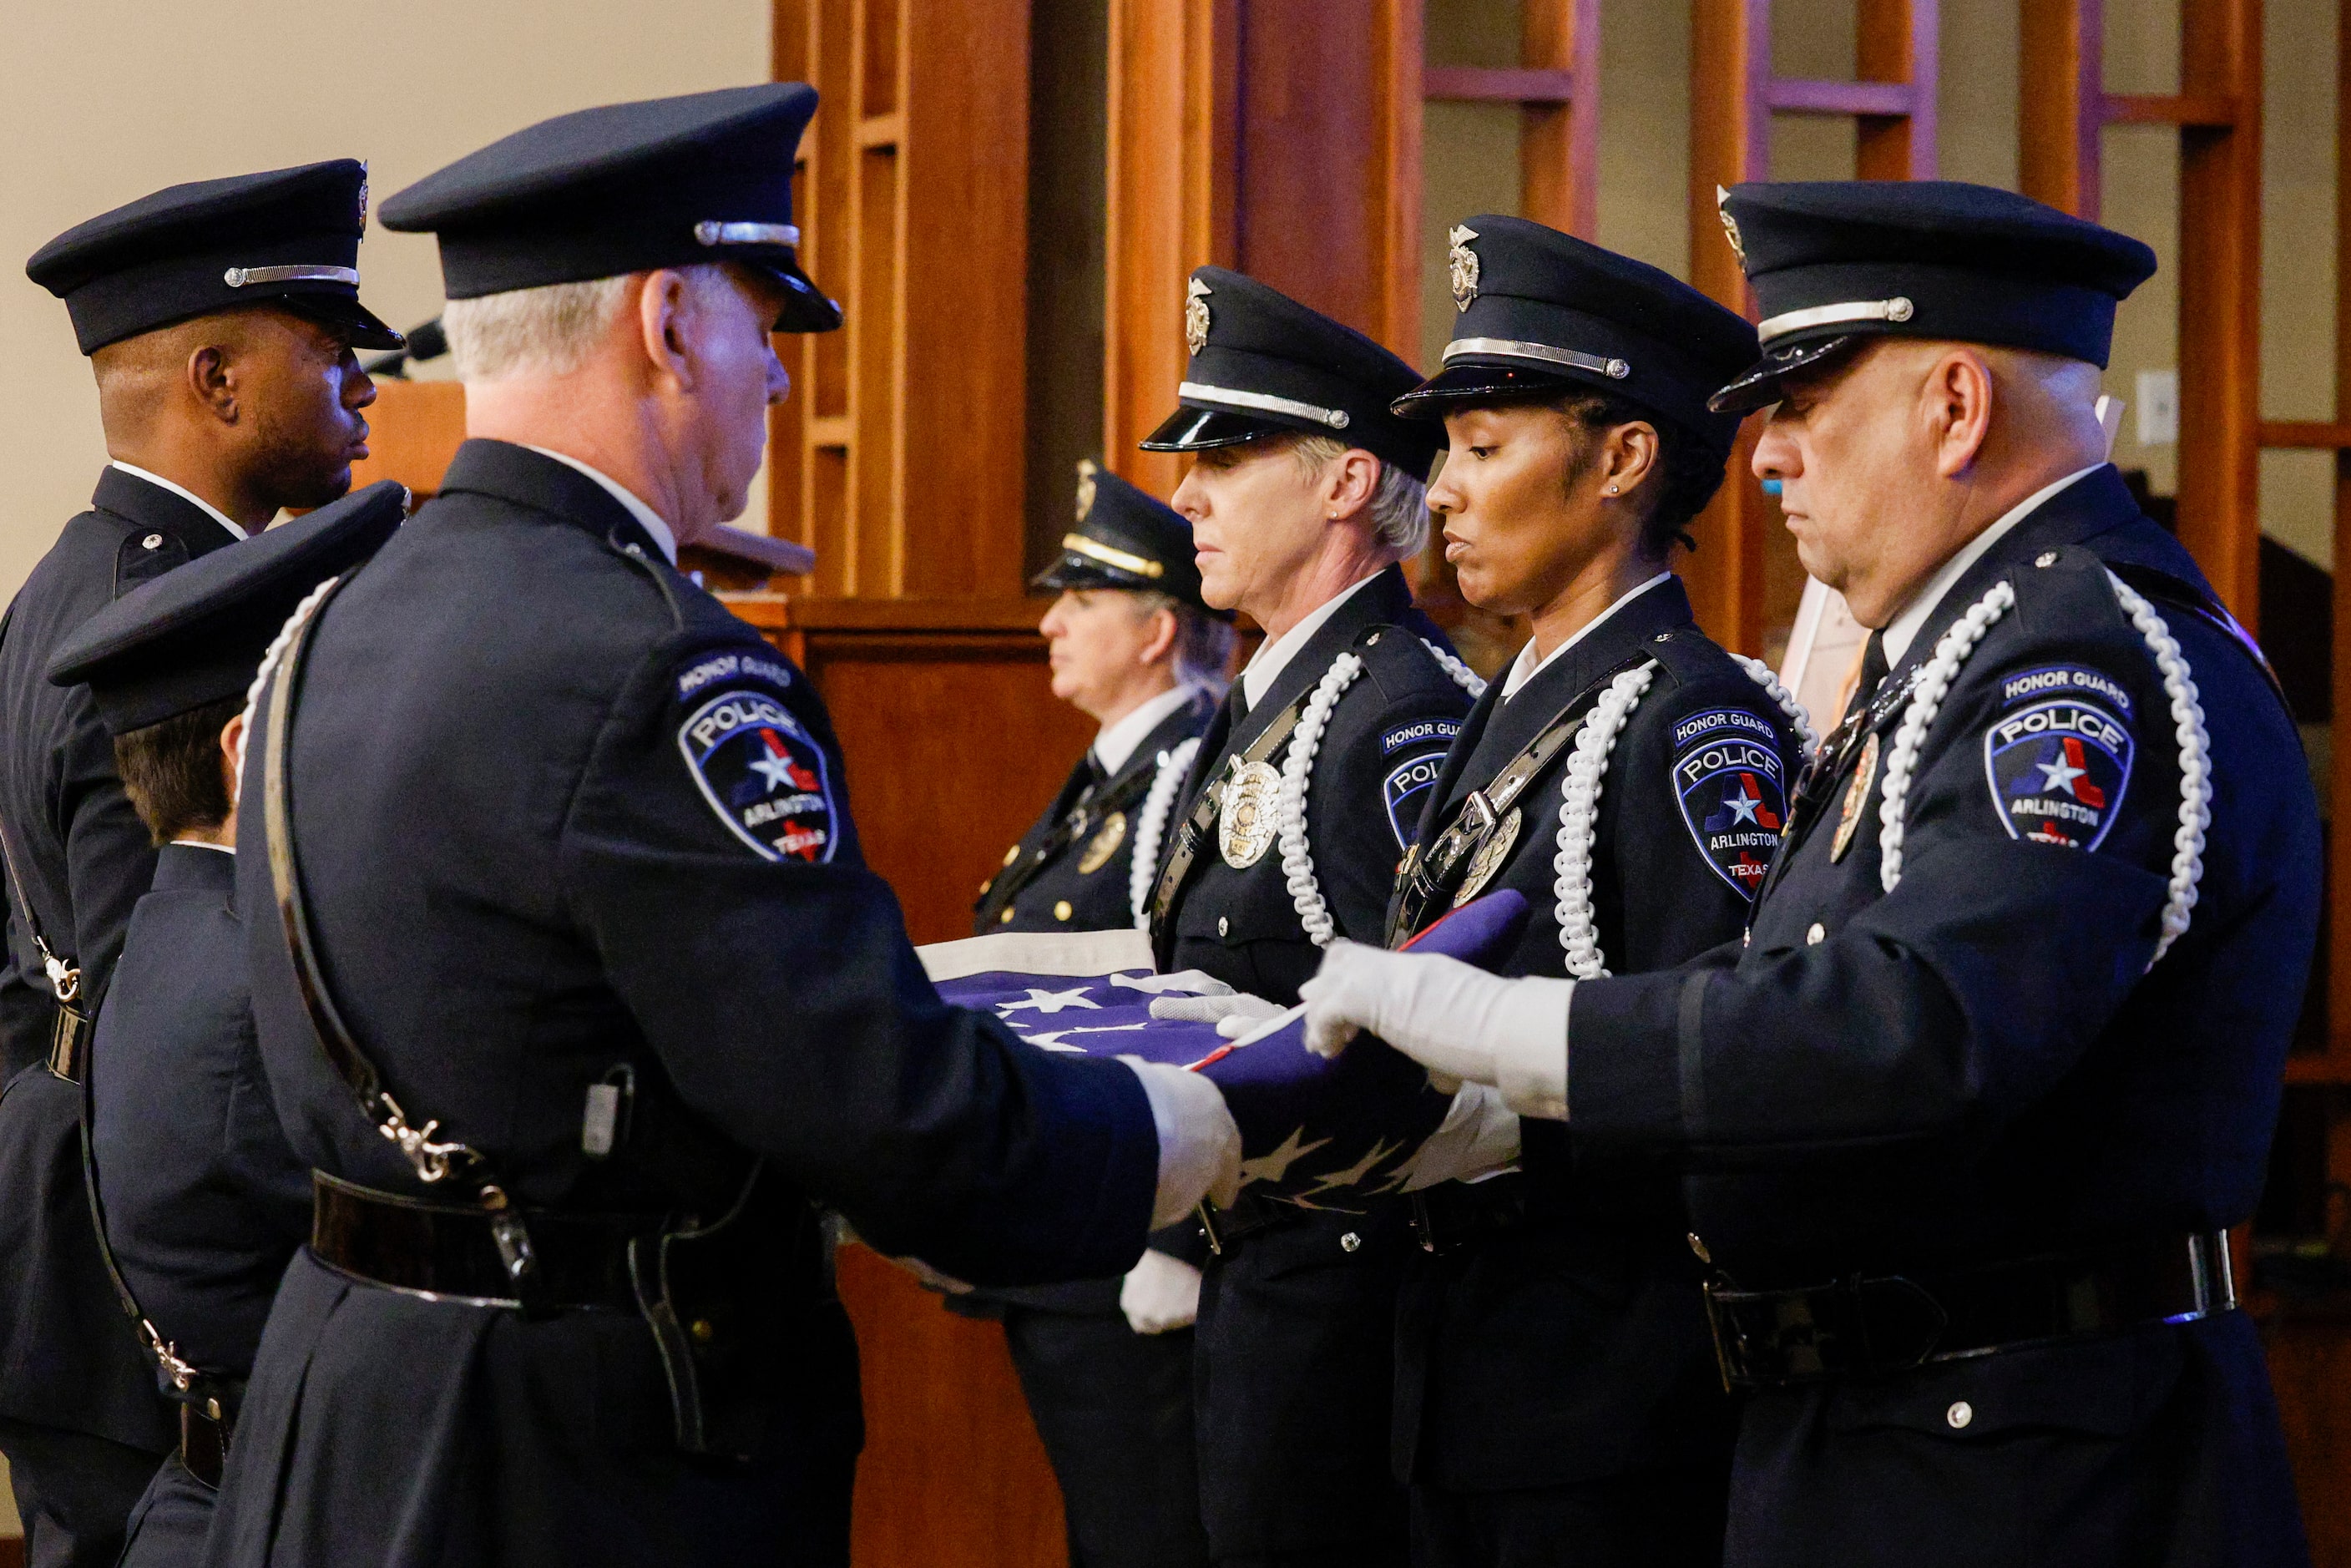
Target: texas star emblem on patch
<point>1405,790</point>
<point>763,773</point>
<point>1732,788</point>
<point>2057,771</point>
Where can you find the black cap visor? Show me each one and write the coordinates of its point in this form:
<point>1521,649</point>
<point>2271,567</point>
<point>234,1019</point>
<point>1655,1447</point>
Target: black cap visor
<point>1073,570</point>
<point>1191,429</point>
<point>1759,385</point>
<point>806,308</point>
<point>1458,385</point>
<point>343,312</point>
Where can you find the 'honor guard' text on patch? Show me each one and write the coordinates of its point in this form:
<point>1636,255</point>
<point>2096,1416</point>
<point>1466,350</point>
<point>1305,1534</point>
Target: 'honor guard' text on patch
<point>762,774</point>
<point>2057,768</point>
<point>1732,788</point>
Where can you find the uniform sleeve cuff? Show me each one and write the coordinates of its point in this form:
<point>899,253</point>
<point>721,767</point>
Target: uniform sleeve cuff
<point>1629,1049</point>
<point>1530,1049</point>
<point>1199,1143</point>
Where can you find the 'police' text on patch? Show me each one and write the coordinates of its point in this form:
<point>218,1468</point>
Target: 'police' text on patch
<point>1732,787</point>
<point>2057,771</point>
<point>1407,789</point>
<point>763,773</point>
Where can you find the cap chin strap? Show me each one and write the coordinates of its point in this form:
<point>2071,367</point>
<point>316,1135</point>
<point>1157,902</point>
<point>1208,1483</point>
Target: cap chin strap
<point>245,276</point>
<point>1262,402</point>
<point>1544,353</point>
<point>1898,308</point>
<point>1094,549</point>
<point>710,231</point>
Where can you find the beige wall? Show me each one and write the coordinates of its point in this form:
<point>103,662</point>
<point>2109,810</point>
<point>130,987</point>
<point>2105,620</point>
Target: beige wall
<point>103,101</point>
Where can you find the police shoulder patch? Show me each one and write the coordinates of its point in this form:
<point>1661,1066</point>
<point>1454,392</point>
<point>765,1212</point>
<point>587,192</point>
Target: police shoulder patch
<point>763,773</point>
<point>1405,789</point>
<point>2058,757</point>
<point>1732,788</point>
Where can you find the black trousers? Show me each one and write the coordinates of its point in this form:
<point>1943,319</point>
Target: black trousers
<point>1115,1409</point>
<point>168,1529</point>
<point>1670,1519</point>
<point>75,1494</point>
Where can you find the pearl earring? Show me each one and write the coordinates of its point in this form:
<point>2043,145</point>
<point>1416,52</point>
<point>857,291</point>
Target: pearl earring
<point>1612,489</point>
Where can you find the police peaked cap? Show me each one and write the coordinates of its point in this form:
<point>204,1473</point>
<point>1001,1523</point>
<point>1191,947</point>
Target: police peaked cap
<point>1834,263</point>
<point>1126,539</point>
<point>627,187</point>
<point>196,634</point>
<point>288,237</point>
<point>1262,364</point>
<point>1545,314</point>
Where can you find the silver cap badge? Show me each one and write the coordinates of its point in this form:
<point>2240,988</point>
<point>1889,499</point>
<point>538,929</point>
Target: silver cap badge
<point>1196,316</point>
<point>1465,267</point>
<point>1730,224</point>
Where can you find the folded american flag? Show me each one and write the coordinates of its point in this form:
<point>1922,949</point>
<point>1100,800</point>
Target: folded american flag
<point>1321,1133</point>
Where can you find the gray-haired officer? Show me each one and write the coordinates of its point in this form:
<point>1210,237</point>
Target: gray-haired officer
<point>1106,1364</point>
<point>1305,493</point>
<point>220,320</point>
<point>1997,1063</point>
<point>202,1202</point>
<point>578,994</point>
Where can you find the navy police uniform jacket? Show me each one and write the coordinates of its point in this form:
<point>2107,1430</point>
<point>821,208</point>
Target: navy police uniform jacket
<point>68,1357</point>
<point>1296,1340</point>
<point>204,1203</point>
<point>560,814</point>
<point>1979,1066</point>
<point>1572,1345</point>
<point>1074,866</point>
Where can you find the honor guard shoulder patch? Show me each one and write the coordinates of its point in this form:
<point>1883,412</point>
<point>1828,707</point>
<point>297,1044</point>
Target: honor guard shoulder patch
<point>1405,790</point>
<point>763,773</point>
<point>2057,768</point>
<point>1733,789</point>
<point>733,664</point>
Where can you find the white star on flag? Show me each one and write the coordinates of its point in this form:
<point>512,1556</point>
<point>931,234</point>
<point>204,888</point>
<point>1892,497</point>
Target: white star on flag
<point>1275,1166</point>
<point>1354,1175</point>
<point>1049,1001</point>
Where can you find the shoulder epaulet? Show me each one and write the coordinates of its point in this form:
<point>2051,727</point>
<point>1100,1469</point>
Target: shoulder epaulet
<point>1401,661</point>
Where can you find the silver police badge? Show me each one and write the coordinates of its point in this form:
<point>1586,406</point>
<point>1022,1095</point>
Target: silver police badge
<point>1245,823</point>
<point>1196,316</point>
<point>1730,224</point>
<point>1491,856</point>
<point>1086,471</point>
<point>1465,266</point>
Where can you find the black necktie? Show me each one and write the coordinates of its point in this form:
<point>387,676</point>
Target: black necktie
<point>1873,673</point>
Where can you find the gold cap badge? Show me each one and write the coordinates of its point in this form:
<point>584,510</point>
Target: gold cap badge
<point>1465,267</point>
<point>1086,471</point>
<point>1730,224</point>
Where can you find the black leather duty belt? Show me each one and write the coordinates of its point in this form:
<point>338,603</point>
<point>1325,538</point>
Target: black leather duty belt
<point>1227,1227</point>
<point>203,1444</point>
<point>449,1251</point>
<point>1454,1215</point>
<point>1871,1325</point>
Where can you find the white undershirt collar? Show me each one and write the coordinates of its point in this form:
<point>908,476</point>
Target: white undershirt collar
<point>236,529</point>
<point>1273,655</point>
<point>205,844</point>
<point>1118,739</point>
<point>647,518</point>
<point>1526,666</point>
<point>1903,629</point>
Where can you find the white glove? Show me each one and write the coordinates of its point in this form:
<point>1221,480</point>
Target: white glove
<point>1234,1013</point>
<point>1199,1145</point>
<point>1479,1137</point>
<point>1160,1293</point>
<point>1458,1022</point>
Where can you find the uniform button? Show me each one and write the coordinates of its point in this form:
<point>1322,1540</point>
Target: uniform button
<point>1373,641</point>
<point>152,541</point>
<point>1960,1414</point>
<point>1062,911</point>
<point>1663,637</point>
<point>2046,558</point>
<point>1813,937</point>
<point>1223,927</point>
<point>1012,854</point>
<point>1699,1247</point>
<point>1350,1241</point>
<point>1005,918</point>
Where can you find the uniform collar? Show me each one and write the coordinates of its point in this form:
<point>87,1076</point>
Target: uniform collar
<point>527,478</point>
<point>147,501</point>
<point>1274,655</point>
<point>180,865</point>
<point>647,518</point>
<point>1118,741</point>
<point>1903,629</point>
<point>1526,666</point>
<point>236,529</point>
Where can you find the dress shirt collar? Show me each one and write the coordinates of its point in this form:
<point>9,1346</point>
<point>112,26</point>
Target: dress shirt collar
<point>647,518</point>
<point>236,529</point>
<point>1273,655</point>
<point>1118,739</point>
<point>1903,629</point>
<point>1526,666</point>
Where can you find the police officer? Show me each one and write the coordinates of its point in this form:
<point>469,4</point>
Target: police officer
<point>1997,1063</point>
<point>203,1203</point>
<point>1106,1364</point>
<point>1304,493</point>
<point>220,320</point>
<point>1557,1399</point>
<point>580,995</point>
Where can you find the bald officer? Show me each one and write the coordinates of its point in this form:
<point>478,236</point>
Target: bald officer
<point>580,996</point>
<point>1995,1067</point>
<point>220,320</point>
